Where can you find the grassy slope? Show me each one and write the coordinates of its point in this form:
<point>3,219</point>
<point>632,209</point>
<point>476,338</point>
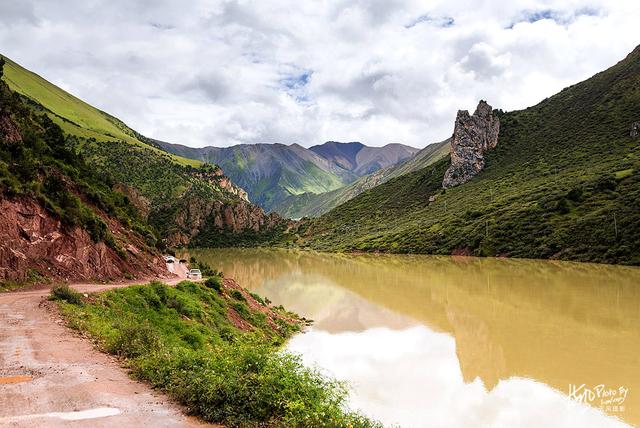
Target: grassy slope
<point>564,182</point>
<point>74,115</point>
<point>43,167</point>
<point>314,205</point>
<point>270,172</point>
<point>187,341</point>
<point>162,180</point>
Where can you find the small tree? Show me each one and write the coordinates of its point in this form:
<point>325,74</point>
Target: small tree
<point>1,67</point>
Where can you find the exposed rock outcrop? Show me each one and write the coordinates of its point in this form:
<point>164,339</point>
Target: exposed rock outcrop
<point>635,129</point>
<point>9,129</point>
<point>142,204</point>
<point>472,137</point>
<point>34,240</point>
<point>217,178</point>
<point>196,215</point>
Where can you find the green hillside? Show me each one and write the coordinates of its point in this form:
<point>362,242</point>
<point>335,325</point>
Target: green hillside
<point>276,174</point>
<point>316,204</point>
<point>270,172</point>
<point>73,115</point>
<point>37,165</point>
<point>177,196</point>
<point>563,182</point>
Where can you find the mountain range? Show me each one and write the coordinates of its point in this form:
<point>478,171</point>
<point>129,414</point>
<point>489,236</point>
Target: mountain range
<point>270,173</point>
<point>315,204</point>
<point>557,180</point>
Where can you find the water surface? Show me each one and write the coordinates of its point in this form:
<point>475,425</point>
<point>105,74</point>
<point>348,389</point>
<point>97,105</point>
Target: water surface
<point>458,342</point>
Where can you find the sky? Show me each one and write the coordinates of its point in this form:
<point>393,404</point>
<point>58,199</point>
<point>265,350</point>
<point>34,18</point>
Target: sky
<point>225,72</point>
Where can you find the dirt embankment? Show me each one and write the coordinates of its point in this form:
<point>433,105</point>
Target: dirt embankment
<point>230,285</point>
<point>33,240</point>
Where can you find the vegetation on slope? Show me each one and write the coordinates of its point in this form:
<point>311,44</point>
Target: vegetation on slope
<point>314,205</point>
<point>41,165</point>
<point>271,172</point>
<point>73,115</point>
<point>563,182</point>
<point>158,183</point>
<point>213,347</point>
<point>274,173</point>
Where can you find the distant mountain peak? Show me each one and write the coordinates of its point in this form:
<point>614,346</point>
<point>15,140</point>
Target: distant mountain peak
<point>360,159</point>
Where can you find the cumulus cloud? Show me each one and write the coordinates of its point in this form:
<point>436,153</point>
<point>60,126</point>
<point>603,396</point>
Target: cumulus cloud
<point>222,72</point>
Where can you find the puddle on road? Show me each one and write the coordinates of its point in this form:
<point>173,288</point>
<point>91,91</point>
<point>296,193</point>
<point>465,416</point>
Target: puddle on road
<point>15,379</point>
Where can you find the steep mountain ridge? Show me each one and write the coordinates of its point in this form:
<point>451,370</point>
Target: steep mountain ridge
<point>563,182</point>
<point>361,159</point>
<point>342,154</point>
<point>272,173</point>
<point>314,205</point>
<point>59,219</point>
<point>159,180</point>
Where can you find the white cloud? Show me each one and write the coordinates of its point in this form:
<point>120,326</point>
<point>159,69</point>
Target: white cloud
<point>225,72</point>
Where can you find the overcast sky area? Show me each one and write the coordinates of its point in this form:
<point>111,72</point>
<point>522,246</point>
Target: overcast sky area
<point>210,72</point>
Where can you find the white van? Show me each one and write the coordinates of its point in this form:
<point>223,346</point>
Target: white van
<point>194,274</point>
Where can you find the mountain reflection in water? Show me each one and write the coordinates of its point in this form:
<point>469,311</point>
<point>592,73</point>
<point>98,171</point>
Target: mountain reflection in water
<point>457,342</point>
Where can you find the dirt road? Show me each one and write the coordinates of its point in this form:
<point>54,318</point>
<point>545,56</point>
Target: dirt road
<point>49,377</point>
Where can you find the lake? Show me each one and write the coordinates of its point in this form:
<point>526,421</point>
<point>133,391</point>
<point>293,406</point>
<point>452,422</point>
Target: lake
<point>458,342</point>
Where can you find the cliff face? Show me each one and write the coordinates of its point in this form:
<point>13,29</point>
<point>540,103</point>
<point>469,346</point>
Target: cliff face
<point>35,240</point>
<point>9,130</point>
<point>472,137</point>
<point>217,178</point>
<point>196,215</point>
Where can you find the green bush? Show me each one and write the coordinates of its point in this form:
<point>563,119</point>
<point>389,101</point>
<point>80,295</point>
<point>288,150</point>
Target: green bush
<point>236,294</point>
<point>247,384</point>
<point>258,298</point>
<point>214,282</point>
<point>134,339</point>
<point>66,293</point>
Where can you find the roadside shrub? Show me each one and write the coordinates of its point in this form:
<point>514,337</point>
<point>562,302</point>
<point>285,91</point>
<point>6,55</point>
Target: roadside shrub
<point>258,298</point>
<point>67,294</point>
<point>134,339</point>
<point>247,384</point>
<point>214,282</point>
<point>236,294</point>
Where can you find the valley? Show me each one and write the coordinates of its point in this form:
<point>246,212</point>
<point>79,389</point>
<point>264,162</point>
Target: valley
<point>272,173</point>
<point>281,278</point>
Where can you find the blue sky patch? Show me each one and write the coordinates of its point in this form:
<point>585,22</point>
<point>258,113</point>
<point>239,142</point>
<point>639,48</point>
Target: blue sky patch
<point>296,81</point>
<point>561,18</point>
<point>443,22</point>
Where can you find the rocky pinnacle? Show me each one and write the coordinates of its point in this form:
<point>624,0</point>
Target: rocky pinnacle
<point>472,137</point>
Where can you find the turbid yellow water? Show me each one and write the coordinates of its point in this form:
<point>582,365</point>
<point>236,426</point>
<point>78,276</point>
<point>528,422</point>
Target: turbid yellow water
<point>457,342</point>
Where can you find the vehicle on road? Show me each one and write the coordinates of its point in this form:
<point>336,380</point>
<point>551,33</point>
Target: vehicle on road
<point>194,274</point>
